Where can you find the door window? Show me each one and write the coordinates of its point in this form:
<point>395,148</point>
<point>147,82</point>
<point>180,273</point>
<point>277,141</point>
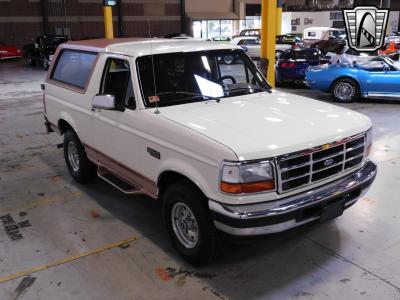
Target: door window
<point>117,82</point>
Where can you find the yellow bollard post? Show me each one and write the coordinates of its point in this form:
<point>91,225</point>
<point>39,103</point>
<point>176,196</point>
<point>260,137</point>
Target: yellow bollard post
<point>268,37</point>
<point>108,22</point>
<point>279,18</point>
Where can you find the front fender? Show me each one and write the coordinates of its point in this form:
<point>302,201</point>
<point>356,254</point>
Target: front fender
<point>196,174</point>
<point>67,117</point>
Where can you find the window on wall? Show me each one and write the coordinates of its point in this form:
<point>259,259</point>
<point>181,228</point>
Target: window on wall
<point>208,29</point>
<point>213,28</point>
<point>227,28</point>
<point>197,29</point>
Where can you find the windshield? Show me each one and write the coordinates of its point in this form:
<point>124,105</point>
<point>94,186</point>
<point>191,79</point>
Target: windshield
<point>182,78</point>
<point>378,64</point>
<point>306,54</point>
<point>54,41</point>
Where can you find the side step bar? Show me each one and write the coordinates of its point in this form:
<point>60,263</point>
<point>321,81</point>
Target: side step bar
<point>122,185</point>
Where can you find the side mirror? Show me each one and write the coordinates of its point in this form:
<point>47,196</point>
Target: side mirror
<point>104,102</point>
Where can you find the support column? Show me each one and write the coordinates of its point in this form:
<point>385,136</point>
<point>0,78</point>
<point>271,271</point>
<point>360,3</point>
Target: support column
<point>268,38</point>
<point>108,22</point>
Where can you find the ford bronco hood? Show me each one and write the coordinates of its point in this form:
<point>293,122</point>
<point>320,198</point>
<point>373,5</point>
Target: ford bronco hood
<point>264,125</point>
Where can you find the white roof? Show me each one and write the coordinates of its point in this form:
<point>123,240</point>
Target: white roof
<point>320,28</point>
<point>140,47</point>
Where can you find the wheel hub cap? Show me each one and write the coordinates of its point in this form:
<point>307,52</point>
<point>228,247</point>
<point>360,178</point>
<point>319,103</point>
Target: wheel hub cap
<point>344,91</point>
<point>184,225</point>
<point>73,156</point>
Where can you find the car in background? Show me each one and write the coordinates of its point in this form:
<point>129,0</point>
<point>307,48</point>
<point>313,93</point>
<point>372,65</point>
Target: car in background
<point>376,78</point>
<point>293,63</point>
<point>250,32</point>
<point>320,33</point>
<point>220,38</point>
<point>42,50</point>
<point>252,45</point>
<point>288,39</point>
<point>350,56</point>
<point>393,38</point>
<point>9,51</point>
<point>325,38</point>
<point>389,48</point>
<point>395,56</point>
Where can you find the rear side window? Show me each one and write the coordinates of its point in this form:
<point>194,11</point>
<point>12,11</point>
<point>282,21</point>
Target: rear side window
<point>74,67</point>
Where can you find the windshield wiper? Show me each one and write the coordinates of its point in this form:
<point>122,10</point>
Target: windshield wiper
<point>191,94</point>
<point>258,89</point>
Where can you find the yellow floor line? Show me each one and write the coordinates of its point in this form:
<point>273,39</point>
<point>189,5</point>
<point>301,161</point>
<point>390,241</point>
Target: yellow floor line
<point>65,260</point>
<point>36,203</point>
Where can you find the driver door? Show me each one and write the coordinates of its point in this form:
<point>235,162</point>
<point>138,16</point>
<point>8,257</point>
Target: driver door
<point>116,141</point>
<point>382,82</point>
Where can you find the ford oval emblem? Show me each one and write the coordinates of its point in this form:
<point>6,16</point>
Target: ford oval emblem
<point>328,162</point>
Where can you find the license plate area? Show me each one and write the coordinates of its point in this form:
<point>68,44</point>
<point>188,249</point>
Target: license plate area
<point>332,210</point>
<point>327,211</point>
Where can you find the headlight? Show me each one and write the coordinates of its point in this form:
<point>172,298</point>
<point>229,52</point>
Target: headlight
<point>247,178</point>
<point>368,142</point>
<point>3,52</point>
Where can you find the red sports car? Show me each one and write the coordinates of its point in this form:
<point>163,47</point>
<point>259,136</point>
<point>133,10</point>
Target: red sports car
<point>9,51</point>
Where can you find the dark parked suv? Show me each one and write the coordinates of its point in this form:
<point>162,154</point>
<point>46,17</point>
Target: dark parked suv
<point>42,49</point>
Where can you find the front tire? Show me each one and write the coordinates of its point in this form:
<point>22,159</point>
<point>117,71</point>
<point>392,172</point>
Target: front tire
<point>345,90</point>
<point>45,63</point>
<point>189,223</point>
<point>31,61</point>
<point>79,166</point>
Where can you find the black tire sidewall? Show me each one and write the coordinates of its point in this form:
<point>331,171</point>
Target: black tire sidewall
<point>207,246</point>
<point>45,63</point>
<point>31,61</point>
<point>353,84</point>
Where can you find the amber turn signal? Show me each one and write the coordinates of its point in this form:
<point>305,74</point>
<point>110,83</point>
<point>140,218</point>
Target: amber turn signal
<point>247,188</point>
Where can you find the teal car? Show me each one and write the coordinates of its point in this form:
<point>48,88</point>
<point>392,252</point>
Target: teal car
<point>375,78</point>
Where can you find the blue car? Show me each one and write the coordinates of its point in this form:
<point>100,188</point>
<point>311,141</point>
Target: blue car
<point>293,63</point>
<point>376,78</point>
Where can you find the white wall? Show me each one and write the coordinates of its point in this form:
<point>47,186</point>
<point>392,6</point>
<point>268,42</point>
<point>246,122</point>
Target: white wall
<point>393,22</point>
<point>322,18</point>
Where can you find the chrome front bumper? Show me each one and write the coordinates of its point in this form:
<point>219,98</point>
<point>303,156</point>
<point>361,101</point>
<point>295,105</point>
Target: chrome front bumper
<point>280,215</point>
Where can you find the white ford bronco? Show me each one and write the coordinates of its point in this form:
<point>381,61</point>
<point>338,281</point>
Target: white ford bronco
<point>223,151</point>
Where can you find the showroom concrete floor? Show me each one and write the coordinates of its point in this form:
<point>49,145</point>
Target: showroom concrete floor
<point>93,242</point>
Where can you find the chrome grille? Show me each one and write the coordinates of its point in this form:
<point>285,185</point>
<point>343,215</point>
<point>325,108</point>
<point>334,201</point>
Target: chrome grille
<point>312,165</point>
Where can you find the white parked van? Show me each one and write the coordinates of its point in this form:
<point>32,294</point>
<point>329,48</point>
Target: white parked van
<point>320,33</point>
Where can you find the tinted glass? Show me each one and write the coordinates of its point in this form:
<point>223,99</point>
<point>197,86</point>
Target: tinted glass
<point>190,77</point>
<point>308,54</point>
<point>74,67</point>
<point>54,41</point>
<point>117,81</point>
